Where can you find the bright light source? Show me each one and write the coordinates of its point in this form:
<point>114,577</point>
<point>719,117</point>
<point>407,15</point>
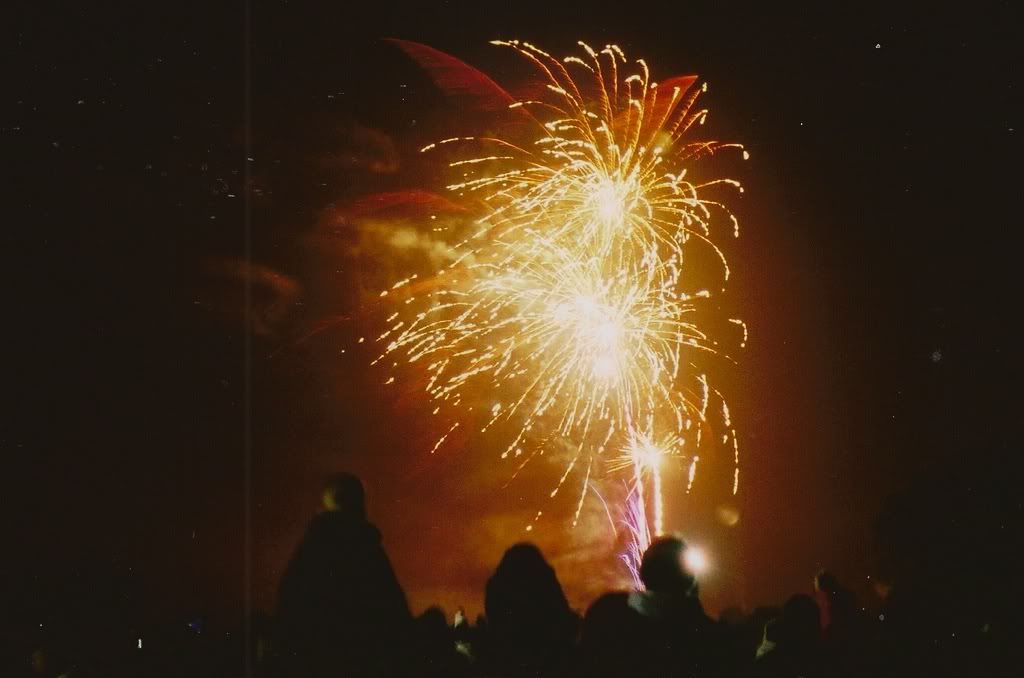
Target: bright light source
<point>609,203</point>
<point>647,454</point>
<point>695,559</point>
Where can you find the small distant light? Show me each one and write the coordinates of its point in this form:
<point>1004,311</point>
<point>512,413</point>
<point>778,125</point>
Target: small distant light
<point>881,617</point>
<point>140,643</point>
<point>878,45</point>
<point>936,356</point>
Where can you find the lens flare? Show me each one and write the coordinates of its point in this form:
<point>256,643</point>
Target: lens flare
<point>570,313</point>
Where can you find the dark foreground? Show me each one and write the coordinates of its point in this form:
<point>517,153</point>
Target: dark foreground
<point>948,581</point>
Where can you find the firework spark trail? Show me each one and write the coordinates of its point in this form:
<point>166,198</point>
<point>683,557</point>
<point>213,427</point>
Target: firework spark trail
<point>634,519</point>
<point>571,300</point>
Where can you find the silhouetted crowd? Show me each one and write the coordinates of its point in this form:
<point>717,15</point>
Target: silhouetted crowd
<point>342,612</point>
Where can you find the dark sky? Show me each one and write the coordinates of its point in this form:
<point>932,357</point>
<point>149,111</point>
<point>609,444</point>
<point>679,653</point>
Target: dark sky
<point>146,410</point>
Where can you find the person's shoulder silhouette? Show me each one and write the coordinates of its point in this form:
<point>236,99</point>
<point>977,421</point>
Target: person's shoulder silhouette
<point>612,637</point>
<point>791,644</point>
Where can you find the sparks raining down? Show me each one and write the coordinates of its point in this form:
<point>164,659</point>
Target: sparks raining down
<point>570,312</point>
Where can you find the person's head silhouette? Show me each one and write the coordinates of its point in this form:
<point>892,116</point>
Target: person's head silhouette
<point>344,493</point>
<point>826,582</point>
<point>663,568</point>
<point>524,561</point>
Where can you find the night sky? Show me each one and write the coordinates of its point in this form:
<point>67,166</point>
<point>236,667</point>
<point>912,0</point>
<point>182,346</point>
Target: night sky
<point>146,409</point>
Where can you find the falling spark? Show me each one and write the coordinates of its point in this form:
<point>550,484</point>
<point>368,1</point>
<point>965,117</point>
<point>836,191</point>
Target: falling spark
<point>443,438</point>
<point>743,326</point>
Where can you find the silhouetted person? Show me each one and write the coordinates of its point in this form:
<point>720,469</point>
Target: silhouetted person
<point>661,631</point>
<point>341,611</point>
<point>611,636</point>
<point>682,639</point>
<point>434,648</point>
<point>792,642</point>
<point>843,627</point>
<point>530,626</point>
<point>837,605</point>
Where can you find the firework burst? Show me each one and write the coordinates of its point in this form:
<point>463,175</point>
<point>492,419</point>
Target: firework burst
<point>571,305</point>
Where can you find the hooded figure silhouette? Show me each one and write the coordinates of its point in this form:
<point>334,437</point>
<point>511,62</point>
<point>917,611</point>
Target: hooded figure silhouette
<point>340,606</point>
